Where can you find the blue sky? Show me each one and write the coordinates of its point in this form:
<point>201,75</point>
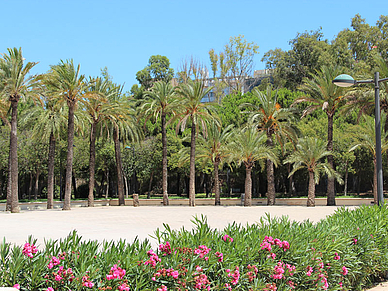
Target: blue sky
<point>122,35</point>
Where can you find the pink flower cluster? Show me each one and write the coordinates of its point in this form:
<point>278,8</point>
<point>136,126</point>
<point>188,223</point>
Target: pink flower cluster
<point>235,275</point>
<point>124,287</point>
<point>202,282</point>
<point>53,262</point>
<point>166,272</point>
<point>268,242</point>
<point>201,251</point>
<point>323,281</point>
<point>220,256</point>
<point>344,271</point>
<point>163,288</point>
<point>86,282</point>
<point>115,273</point>
<point>337,257</point>
<point>153,260</point>
<point>29,250</point>
<point>252,273</point>
<point>278,271</point>
<point>227,238</point>
<point>165,249</point>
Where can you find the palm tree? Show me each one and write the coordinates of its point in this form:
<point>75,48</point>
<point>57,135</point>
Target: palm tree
<point>192,109</point>
<point>247,148</point>
<point>121,122</point>
<point>215,149</point>
<point>366,137</point>
<point>97,108</point>
<point>275,121</point>
<point>310,154</point>
<point>161,100</point>
<point>66,84</point>
<point>48,122</point>
<point>14,84</point>
<point>321,93</point>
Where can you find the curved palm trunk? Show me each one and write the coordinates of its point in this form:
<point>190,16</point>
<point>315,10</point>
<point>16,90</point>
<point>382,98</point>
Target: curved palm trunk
<point>311,194</point>
<point>248,185</point>
<point>119,167</point>
<point>217,184</point>
<point>69,158</point>
<point>92,164</point>
<point>271,194</point>
<point>14,156</point>
<point>164,160</point>
<point>330,160</point>
<point>50,172</point>
<point>192,167</point>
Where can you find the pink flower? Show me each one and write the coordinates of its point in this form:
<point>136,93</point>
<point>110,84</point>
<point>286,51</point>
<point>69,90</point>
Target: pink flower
<point>340,283</point>
<point>163,288</point>
<point>58,278</point>
<point>279,271</point>
<point>50,289</point>
<point>220,256</point>
<point>29,250</point>
<point>310,271</point>
<point>16,286</point>
<point>227,237</point>
<point>202,250</point>
<point>198,269</point>
<point>355,241</point>
<point>235,275</point>
<point>324,281</point>
<point>344,271</point>
<point>166,249</point>
<point>336,257</point>
<point>125,287</point>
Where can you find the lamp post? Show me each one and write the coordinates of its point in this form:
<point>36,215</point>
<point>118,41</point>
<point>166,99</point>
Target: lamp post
<point>347,81</point>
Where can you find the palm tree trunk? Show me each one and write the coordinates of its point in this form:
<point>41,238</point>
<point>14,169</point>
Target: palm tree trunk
<point>9,183</point>
<point>50,172</point>
<point>375,201</point>
<point>36,189</point>
<point>271,194</point>
<point>164,160</point>
<point>69,158</point>
<point>119,167</point>
<point>217,184</point>
<point>92,164</point>
<point>330,160</point>
<point>192,167</point>
<point>311,194</point>
<point>14,156</point>
<point>248,186</point>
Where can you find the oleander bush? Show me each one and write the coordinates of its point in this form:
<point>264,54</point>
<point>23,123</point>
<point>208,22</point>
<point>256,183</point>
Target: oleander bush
<point>346,251</point>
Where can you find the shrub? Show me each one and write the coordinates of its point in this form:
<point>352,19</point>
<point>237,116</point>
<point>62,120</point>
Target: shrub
<point>346,251</point>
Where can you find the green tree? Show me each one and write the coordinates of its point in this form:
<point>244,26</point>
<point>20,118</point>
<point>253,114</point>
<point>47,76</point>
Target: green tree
<point>66,84</point>
<point>214,148</point>
<point>248,147</point>
<point>158,69</point>
<point>275,121</point>
<point>365,137</point>
<point>15,84</point>
<point>322,94</point>
<point>310,153</point>
<point>192,110</point>
<point>161,100</point>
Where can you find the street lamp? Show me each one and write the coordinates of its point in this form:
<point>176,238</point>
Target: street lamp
<point>347,81</point>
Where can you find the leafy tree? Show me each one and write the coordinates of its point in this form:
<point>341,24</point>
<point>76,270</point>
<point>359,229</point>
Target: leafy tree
<point>193,110</point>
<point>322,94</point>
<point>366,137</point>
<point>310,153</point>
<point>66,84</point>
<point>15,84</point>
<point>275,121</point>
<point>214,148</point>
<point>158,69</point>
<point>248,147</point>
<point>161,100</point>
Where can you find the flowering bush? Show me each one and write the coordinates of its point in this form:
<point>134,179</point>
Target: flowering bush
<point>345,251</point>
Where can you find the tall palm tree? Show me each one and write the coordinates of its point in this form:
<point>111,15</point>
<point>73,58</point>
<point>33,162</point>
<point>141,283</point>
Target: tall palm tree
<point>66,84</point>
<point>276,122</point>
<point>4,108</point>
<point>214,148</point>
<point>49,123</point>
<point>122,125</point>
<point>161,100</point>
<point>322,94</point>
<point>192,109</point>
<point>15,84</point>
<point>97,108</point>
<point>366,137</point>
<point>310,154</point>
<point>247,148</point>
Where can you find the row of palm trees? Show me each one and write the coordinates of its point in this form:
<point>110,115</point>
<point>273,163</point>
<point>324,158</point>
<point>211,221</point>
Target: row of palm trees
<point>109,112</point>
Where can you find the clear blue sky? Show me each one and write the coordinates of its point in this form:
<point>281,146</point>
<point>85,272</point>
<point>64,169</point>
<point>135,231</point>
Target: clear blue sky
<point>122,35</point>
